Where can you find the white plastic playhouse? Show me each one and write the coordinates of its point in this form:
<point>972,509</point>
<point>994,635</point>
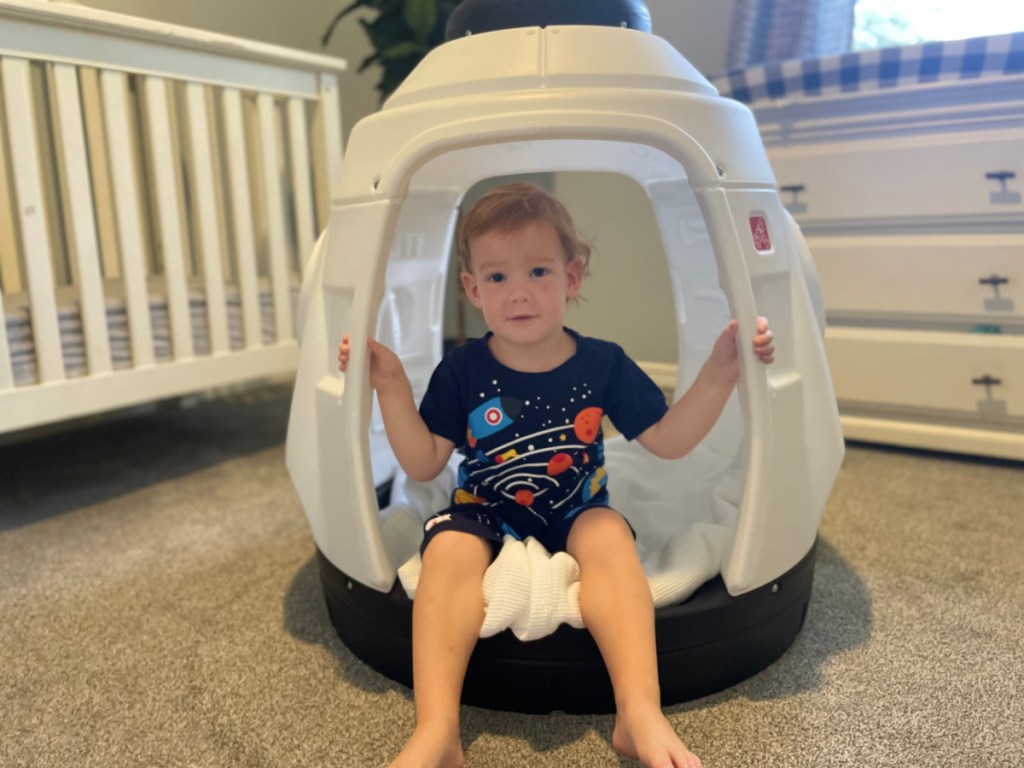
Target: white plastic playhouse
<point>727,536</point>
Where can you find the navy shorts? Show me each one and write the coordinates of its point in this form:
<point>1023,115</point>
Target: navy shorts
<point>487,523</point>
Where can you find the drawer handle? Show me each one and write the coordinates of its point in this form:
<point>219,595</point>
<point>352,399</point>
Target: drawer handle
<point>794,205</point>
<point>990,406</point>
<point>993,280</point>
<point>996,303</point>
<point>1004,196</point>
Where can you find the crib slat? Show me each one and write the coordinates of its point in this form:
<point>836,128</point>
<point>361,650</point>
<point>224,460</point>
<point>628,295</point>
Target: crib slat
<point>275,217</point>
<point>44,92</point>
<point>81,219</point>
<point>113,86</point>
<point>168,215</point>
<point>21,130</point>
<point>10,271</point>
<point>99,170</point>
<point>330,108</point>
<point>206,210</point>
<point>241,211</point>
<point>302,183</point>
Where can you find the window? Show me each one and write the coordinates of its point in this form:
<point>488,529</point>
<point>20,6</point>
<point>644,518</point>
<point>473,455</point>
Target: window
<point>886,23</point>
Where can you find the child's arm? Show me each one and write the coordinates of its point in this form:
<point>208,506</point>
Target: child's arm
<point>691,418</point>
<point>421,453</point>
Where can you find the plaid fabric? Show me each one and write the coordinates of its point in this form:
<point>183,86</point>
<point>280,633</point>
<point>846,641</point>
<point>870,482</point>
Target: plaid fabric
<point>978,57</point>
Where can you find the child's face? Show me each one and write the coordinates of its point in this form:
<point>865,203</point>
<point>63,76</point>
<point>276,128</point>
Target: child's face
<point>521,281</point>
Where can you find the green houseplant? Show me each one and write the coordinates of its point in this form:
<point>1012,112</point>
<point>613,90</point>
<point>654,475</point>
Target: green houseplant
<point>401,35</point>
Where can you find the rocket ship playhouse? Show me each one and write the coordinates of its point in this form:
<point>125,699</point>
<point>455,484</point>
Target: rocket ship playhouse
<point>727,534</point>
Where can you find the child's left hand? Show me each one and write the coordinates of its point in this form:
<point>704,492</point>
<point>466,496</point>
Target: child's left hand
<point>764,341</point>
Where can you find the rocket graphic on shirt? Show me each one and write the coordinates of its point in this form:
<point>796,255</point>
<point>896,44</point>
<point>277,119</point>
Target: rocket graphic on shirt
<point>493,416</point>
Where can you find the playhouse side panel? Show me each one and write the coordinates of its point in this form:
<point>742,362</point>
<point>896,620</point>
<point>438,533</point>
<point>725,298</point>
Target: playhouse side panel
<point>794,441</point>
<point>329,433</point>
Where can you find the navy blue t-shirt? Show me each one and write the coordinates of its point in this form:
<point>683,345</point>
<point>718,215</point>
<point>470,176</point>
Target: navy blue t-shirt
<point>533,441</point>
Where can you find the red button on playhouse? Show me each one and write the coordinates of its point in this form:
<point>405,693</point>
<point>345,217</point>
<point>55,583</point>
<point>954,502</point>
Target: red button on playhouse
<point>759,229</point>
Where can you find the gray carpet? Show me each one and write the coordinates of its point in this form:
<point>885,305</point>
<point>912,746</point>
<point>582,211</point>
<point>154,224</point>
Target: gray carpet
<point>160,607</point>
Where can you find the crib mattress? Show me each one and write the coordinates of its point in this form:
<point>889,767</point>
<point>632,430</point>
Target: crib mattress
<point>20,339</point>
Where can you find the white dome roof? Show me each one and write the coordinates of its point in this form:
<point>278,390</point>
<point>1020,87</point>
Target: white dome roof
<point>552,57</point>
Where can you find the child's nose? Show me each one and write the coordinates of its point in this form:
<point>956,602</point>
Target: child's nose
<point>520,289</point>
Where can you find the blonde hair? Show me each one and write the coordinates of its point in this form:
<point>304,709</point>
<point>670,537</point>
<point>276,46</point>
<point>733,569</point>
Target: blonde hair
<point>509,207</point>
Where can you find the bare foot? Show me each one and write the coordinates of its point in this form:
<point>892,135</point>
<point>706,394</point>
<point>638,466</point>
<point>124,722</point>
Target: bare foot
<point>649,738</point>
<point>430,747</point>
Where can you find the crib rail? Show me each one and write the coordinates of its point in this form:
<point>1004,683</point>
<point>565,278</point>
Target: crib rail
<point>135,154</point>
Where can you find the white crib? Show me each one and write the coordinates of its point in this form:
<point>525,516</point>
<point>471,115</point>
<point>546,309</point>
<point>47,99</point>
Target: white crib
<point>160,192</point>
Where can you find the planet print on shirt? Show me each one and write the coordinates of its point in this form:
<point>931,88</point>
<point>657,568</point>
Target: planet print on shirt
<point>524,497</point>
<point>559,463</point>
<point>587,424</point>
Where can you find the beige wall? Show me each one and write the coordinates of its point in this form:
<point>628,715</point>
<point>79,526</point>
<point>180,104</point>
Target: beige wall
<point>627,297</point>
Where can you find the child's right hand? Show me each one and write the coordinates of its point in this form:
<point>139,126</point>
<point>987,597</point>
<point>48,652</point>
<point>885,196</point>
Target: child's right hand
<point>385,366</point>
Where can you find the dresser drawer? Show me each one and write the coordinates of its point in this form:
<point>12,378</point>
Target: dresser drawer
<point>979,278</point>
<point>970,374</point>
<point>921,177</point>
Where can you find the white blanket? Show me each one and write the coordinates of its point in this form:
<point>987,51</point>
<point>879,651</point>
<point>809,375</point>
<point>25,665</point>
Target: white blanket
<point>684,514</point>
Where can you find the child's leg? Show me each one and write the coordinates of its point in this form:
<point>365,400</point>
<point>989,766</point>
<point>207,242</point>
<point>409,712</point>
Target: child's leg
<point>615,600</point>
<point>446,618</point>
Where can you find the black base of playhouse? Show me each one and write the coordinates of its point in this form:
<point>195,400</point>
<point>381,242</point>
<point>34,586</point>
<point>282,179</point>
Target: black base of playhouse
<point>708,643</point>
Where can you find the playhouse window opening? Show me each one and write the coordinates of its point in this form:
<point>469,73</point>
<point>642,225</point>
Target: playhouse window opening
<point>653,289</point>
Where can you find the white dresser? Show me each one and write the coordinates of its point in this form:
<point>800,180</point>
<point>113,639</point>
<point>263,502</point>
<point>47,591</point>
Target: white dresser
<point>905,170</point>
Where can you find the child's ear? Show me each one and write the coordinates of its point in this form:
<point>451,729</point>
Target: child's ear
<point>574,273</point>
<point>469,285</point>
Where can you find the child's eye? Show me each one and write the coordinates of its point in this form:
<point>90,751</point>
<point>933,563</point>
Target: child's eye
<point>539,271</point>
<point>497,277</point>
